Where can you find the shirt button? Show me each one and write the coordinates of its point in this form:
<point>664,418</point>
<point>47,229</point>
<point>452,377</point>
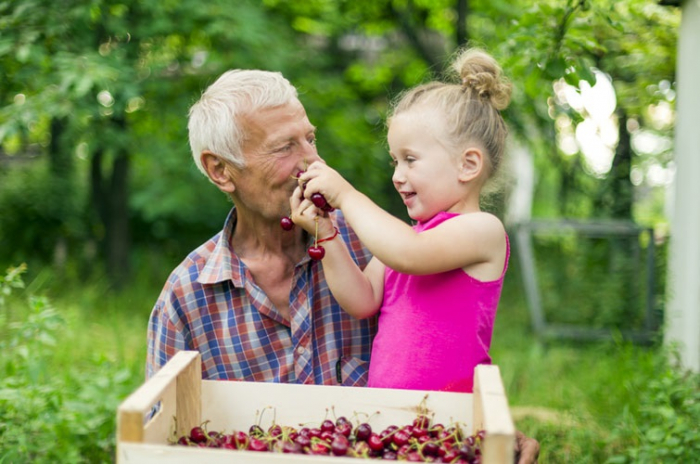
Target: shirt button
<point>300,350</point>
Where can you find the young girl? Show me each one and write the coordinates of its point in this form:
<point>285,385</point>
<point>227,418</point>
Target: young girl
<point>436,285</point>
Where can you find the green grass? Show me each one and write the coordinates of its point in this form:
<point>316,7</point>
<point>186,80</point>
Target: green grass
<point>585,403</point>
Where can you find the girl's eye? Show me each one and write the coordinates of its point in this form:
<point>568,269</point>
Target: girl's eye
<point>393,163</point>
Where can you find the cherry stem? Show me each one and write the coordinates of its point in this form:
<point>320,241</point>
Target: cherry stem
<point>316,234</point>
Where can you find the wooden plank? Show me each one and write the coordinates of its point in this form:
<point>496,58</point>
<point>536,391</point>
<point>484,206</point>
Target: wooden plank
<point>492,414</point>
<point>236,405</point>
<point>132,412</point>
<point>189,397</point>
<point>139,453</point>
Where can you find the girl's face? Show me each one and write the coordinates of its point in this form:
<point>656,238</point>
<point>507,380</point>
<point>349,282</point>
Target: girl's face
<point>425,170</point>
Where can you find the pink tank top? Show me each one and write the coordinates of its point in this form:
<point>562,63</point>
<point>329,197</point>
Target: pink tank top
<point>434,329</point>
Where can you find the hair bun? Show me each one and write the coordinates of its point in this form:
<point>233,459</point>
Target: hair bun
<point>481,74</point>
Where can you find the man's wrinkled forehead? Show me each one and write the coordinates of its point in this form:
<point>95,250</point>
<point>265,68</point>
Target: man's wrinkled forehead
<point>276,125</point>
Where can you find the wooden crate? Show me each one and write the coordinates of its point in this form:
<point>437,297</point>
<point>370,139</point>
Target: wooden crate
<point>185,400</point>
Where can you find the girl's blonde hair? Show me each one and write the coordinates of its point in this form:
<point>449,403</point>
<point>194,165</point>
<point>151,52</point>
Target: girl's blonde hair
<point>471,105</point>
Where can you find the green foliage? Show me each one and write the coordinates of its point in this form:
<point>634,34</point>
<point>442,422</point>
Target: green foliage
<point>666,429</point>
<point>52,413</point>
<point>36,207</point>
<point>595,402</point>
<point>120,76</point>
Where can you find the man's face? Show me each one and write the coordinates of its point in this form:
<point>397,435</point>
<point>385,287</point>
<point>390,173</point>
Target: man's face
<point>280,142</point>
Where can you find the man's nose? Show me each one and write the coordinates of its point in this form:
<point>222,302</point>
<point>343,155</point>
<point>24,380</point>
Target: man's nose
<point>310,153</point>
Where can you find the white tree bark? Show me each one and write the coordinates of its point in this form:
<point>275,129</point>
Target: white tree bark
<point>683,309</point>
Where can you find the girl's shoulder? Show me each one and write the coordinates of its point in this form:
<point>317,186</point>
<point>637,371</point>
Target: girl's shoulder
<point>482,220</point>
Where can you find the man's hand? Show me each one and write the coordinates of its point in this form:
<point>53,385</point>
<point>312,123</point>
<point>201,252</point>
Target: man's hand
<point>527,450</point>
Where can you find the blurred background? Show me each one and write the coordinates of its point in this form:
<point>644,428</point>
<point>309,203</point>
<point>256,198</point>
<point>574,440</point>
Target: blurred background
<point>100,197</point>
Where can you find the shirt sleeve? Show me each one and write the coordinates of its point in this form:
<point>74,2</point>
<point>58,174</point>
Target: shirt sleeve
<point>164,337</point>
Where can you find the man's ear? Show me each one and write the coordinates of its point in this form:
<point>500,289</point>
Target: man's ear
<point>471,164</point>
<point>218,171</point>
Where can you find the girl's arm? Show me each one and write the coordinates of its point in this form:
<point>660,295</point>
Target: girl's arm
<point>474,241</point>
<point>358,292</point>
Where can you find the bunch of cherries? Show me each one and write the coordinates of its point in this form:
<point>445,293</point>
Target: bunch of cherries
<point>416,442</point>
<point>316,252</point>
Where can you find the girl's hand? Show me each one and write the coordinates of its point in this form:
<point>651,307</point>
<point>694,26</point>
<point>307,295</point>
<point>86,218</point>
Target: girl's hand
<point>306,215</point>
<point>320,178</point>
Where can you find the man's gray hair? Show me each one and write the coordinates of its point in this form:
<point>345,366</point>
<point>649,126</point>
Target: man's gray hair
<point>215,120</point>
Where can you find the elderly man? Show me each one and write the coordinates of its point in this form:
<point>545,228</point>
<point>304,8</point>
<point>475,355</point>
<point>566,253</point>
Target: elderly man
<point>250,299</point>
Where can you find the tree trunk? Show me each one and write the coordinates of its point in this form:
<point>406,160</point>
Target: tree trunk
<point>621,190</point>
<point>118,239</point>
<point>462,33</point>
<point>61,169</point>
<point>110,205</point>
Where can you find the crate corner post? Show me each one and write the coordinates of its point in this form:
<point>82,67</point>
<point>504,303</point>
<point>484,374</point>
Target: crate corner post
<point>492,414</point>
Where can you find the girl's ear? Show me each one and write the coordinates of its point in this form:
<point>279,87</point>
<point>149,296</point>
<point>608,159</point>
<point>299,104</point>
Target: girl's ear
<point>471,164</point>
<point>218,171</point>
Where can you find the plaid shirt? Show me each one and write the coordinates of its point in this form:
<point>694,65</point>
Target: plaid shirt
<point>211,304</point>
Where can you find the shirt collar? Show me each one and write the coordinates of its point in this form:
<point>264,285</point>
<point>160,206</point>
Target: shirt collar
<point>223,264</point>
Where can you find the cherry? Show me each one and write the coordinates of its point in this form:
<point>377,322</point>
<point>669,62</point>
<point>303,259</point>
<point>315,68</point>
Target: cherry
<point>327,426</point>
<point>257,444</point>
<point>303,440</point>
<point>318,200</point>
<point>256,431</point>
<point>275,431</point>
<point>286,223</point>
<point>197,435</point>
<point>456,432</point>
<point>414,456</point>
<point>238,439</point>
<point>436,429</point>
<point>317,252</point>
<point>344,428</point>
<point>319,447</point>
<point>327,436</point>
<point>389,455</point>
<point>291,447</point>
<point>401,438</point>
<point>466,452</point>
<point>375,442</point>
<point>446,437</point>
<point>339,445</point>
<point>450,455</point>
<point>421,421</point>
<point>430,448</point>
<point>363,432</point>
<point>183,440</point>
<point>403,451</point>
<point>361,449</point>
